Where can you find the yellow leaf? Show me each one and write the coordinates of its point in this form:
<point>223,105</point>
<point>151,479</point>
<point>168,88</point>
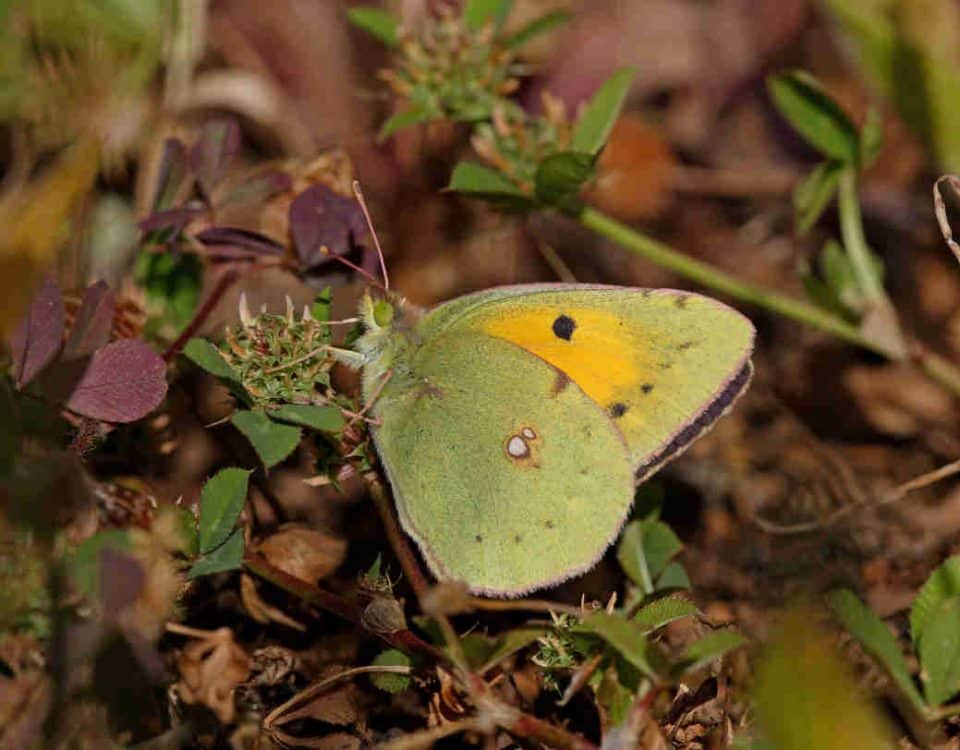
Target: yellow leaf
<point>33,222</point>
<point>806,696</point>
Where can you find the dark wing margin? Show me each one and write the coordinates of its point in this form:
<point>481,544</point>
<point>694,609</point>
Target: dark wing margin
<point>701,424</point>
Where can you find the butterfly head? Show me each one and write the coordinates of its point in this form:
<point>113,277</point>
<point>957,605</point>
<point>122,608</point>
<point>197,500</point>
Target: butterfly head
<point>387,338</point>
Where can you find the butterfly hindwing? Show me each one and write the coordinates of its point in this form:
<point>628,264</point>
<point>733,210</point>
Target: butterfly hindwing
<point>505,475</point>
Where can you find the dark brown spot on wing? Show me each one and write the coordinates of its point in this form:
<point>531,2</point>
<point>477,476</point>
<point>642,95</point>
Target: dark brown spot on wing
<point>618,409</point>
<point>646,387</point>
<point>560,382</point>
<point>563,327</point>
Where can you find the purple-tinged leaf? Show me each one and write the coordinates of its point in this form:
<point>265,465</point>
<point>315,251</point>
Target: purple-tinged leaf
<point>213,152</point>
<point>39,336</point>
<point>171,175</point>
<point>320,218</point>
<point>121,580</point>
<point>125,381</point>
<point>260,187</point>
<point>229,242</point>
<point>174,218</point>
<point>93,322</point>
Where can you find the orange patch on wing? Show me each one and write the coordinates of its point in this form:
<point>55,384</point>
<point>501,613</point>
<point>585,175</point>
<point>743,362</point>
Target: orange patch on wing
<point>601,355</point>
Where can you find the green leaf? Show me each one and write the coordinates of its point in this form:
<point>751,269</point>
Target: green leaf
<point>559,177</point>
<point>536,27</point>
<point>838,272</point>
<point>376,22</point>
<point>228,556</point>
<point>478,13</point>
<point>272,441</point>
<point>403,119</point>
<point>628,639</point>
<point>644,551</point>
<point>598,117</point>
<point>712,646</point>
<point>943,584</point>
<point>482,182</point>
<point>172,284</point>
<point>221,501</point>
<point>804,103</point>
<point>939,652</point>
<point>875,638</point>
<point>509,643</point>
<point>391,682</point>
<point>908,62</point>
<point>812,194</point>
<point>320,418</point>
<point>659,612</point>
<point>871,138</point>
<point>84,565</point>
<point>206,356</point>
<point>673,577</point>
<point>322,306</point>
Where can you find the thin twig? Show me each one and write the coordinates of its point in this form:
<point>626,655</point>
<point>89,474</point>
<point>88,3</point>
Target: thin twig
<point>892,496</point>
<point>405,555</point>
<point>318,687</point>
<point>428,737</point>
<point>405,640</point>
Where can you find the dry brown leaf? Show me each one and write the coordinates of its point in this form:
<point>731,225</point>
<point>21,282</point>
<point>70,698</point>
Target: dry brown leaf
<point>211,667</point>
<point>897,399</point>
<point>307,554</point>
<point>635,172</point>
<point>259,610</point>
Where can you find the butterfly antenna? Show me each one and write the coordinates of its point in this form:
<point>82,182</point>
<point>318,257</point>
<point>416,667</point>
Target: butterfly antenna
<point>373,232</point>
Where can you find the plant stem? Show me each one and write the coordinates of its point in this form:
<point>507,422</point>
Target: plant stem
<point>851,228</point>
<point>709,276</point>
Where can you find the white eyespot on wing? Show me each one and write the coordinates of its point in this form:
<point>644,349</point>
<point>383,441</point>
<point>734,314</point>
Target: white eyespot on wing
<point>517,447</point>
<point>528,433</point>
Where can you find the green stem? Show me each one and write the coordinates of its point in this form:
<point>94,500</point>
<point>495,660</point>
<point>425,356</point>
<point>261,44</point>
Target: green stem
<point>720,281</point>
<point>854,242</point>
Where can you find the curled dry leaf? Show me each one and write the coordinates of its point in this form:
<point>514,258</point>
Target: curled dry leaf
<point>635,172</point>
<point>447,598</point>
<point>307,554</point>
<point>259,610</point>
<point>211,667</point>
<point>898,400</point>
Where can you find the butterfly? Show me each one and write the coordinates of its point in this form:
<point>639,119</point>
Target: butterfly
<point>514,423</point>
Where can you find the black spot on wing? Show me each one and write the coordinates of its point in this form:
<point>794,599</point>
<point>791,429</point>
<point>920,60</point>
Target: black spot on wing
<point>646,387</point>
<point>681,300</point>
<point>563,327</point>
<point>693,430</point>
<point>549,524</point>
<point>478,538</point>
<point>518,539</point>
<point>618,409</point>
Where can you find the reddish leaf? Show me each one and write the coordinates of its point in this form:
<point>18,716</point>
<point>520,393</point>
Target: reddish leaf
<point>260,186</point>
<point>171,174</point>
<point>175,218</point>
<point>228,242</point>
<point>321,218</point>
<point>125,381</point>
<point>94,319</point>
<point>213,152</point>
<point>121,580</point>
<point>39,336</point>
